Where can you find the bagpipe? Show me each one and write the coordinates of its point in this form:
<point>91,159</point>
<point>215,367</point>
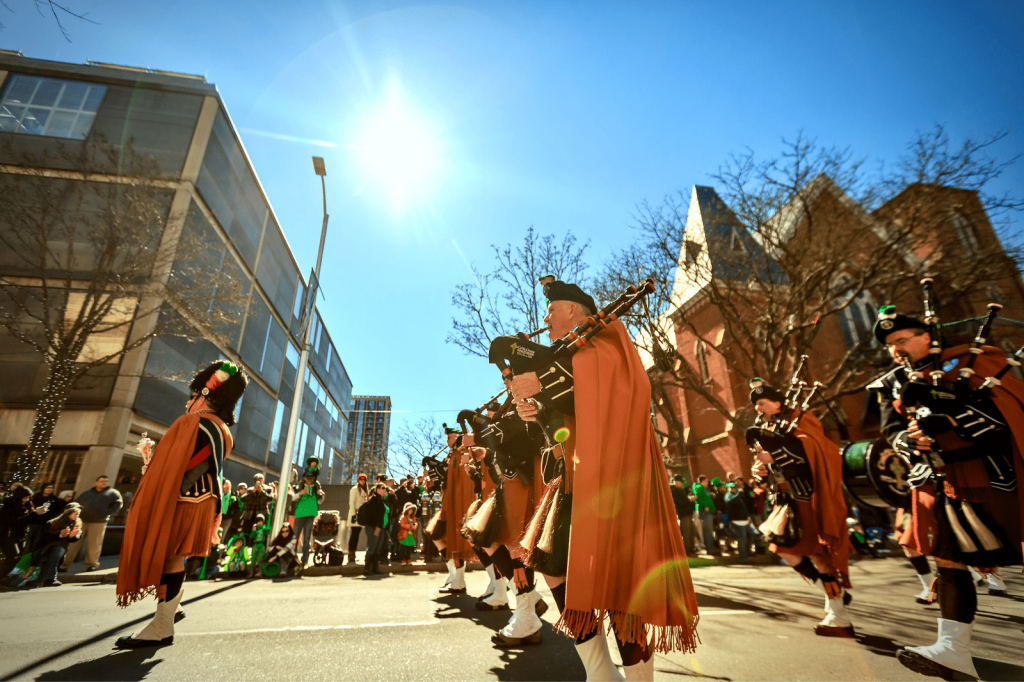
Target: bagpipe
<point>938,408</point>
<point>775,434</point>
<point>437,469</point>
<point>962,423</point>
<point>511,443</point>
<point>515,355</point>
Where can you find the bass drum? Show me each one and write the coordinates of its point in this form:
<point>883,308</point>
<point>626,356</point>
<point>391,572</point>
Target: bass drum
<point>876,475</point>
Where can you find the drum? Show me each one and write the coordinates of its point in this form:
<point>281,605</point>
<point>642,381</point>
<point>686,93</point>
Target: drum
<point>875,475</point>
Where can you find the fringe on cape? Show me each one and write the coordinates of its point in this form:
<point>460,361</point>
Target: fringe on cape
<point>127,599</point>
<point>630,629</point>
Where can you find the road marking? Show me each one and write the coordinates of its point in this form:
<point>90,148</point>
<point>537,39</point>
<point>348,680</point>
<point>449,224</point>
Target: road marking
<point>309,628</point>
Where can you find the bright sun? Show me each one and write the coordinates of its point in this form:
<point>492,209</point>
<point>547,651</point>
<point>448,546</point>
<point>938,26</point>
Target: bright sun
<point>400,153</point>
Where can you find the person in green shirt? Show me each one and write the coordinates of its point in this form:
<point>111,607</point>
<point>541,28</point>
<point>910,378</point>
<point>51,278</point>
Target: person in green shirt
<point>307,495</point>
<point>706,510</point>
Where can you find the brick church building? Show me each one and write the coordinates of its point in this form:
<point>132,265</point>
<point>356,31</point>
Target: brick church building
<point>700,438</point>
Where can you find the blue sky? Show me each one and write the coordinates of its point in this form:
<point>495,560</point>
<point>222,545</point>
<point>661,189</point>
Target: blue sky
<point>554,114</point>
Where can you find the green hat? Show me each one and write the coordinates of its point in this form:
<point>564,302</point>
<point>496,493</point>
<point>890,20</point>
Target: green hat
<point>716,481</point>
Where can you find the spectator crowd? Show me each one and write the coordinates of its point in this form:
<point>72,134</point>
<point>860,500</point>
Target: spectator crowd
<point>716,516</point>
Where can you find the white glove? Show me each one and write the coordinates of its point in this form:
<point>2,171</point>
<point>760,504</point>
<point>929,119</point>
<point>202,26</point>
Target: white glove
<point>920,474</point>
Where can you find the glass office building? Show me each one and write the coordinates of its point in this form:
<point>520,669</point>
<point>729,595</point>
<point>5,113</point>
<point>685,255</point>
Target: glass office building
<point>211,192</point>
<point>369,430</point>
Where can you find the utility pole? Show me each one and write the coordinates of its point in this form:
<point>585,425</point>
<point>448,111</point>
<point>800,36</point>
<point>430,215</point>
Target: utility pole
<point>283,485</point>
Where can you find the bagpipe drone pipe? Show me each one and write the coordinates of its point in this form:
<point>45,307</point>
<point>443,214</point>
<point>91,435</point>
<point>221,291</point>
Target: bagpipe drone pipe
<point>437,469</point>
<point>515,355</point>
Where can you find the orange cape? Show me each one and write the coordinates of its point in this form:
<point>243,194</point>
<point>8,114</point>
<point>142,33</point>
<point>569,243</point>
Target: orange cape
<point>148,528</point>
<point>626,556</point>
<point>828,502</point>
<point>458,496</point>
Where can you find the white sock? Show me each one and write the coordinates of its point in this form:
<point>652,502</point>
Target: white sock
<point>926,580</point>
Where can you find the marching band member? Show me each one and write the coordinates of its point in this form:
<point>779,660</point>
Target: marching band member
<point>624,559</point>
<point>808,474</point>
<point>444,527</point>
<point>174,514</point>
<point>515,446</point>
<point>967,512</point>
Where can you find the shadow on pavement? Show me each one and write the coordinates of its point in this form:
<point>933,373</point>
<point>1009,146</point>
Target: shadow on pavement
<point>118,666</point>
<point>106,634</point>
<point>997,671</point>
<point>882,646</point>
<point>553,659</point>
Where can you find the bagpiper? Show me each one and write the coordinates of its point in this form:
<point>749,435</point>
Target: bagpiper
<point>175,514</point>
<point>960,417</point>
<point>624,560</point>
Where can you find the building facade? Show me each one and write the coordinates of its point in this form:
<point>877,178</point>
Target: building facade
<point>703,440</point>
<point>368,431</point>
<point>212,194</point>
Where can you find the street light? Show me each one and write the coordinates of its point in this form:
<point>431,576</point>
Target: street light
<point>281,506</point>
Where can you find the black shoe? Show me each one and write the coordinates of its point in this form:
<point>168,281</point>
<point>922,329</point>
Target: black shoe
<point>834,631</point>
<point>448,589</point>
<point>179,616</point>
<point>90,569</point>
<point>847,598</point>
<point>132,643</point>
<point>926,666</point>
<point>52,583</point>
<point>484,606</point>
<point>501,641</point>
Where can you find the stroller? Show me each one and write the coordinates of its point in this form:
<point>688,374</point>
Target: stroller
<point>325,532</point>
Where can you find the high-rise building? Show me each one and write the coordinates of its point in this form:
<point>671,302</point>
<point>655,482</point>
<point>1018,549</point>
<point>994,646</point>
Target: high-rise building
<point>209,188</point>
<point>368,430</point>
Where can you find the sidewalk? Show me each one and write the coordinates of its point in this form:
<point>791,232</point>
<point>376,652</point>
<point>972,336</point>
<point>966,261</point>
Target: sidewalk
<point>107,572</point>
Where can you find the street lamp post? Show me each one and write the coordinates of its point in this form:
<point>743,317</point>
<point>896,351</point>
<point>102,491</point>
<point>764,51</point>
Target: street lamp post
<point>281,505</point>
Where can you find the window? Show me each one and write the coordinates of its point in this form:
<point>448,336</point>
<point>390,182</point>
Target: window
<point>736,243</point>
<point>692,251</point>
<point>965,234</point>
<point>49,106</point>
<point>231,191</point>
<point>700,350</point>
<point>858,318</point>
<point>276,272</point>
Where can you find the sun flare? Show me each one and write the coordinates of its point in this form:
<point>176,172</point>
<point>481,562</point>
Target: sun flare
<point>400,153</point>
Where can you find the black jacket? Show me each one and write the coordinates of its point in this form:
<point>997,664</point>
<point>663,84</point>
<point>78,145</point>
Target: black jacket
<point>681,500</point>
<point>15,515</point>
<point>375,511</point>
<point>405,495</point>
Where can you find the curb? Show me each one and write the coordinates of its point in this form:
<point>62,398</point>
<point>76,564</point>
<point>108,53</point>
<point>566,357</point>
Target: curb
<point>311,571</point>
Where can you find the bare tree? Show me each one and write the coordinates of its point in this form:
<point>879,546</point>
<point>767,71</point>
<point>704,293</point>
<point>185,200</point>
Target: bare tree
<point>56,9</point>
<point>88,272</point>
<point>801,242</point>
<point>413,441</point>
<point>507,299</point>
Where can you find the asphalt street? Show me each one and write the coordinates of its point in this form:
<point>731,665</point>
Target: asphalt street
<point>756,624</point>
